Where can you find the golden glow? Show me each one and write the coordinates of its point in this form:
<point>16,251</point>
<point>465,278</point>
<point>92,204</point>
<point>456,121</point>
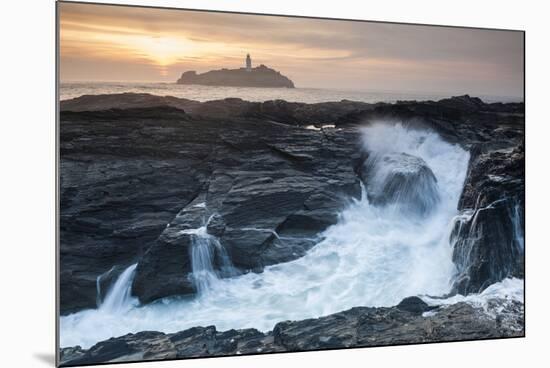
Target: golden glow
<point>113,43</point>
<point>172,42</point>
<point>160,50</point>
<point>164,50</point>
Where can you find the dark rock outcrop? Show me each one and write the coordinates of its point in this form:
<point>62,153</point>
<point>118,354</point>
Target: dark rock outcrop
<point>488,242</point>
<point>494,173</point>
<point>357,327</point>
<point>414,304</point>
<point>463,120</point>
<point>134,166</point>
<point>261,76</point>
<point>122,180</point>
<point>267,201</point>
<point>290,113</point>
<point>402,180</point>
<point>130,181</point>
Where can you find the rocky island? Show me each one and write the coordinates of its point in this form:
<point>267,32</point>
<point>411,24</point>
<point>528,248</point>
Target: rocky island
<point>260,76</point>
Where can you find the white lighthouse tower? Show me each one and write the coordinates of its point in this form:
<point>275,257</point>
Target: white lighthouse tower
<point>248,63</point>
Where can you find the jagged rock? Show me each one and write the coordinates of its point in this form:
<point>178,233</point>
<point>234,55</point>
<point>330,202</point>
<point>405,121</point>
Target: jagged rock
<point>164,271</point>
<point>265,201</point>
<point>296,113</point>
<point>357,327</point>
<point>131,347</point>
<point>216,225</point>
<point>71,354</point>
<point>414,304</point>
<point>494,174</point>
<point>122,181</point>
<point>145,172</point>
<point>489,242</point>
<point>462,120</point>
<point>486,249</point>
<point>464,103</point>
<point>402,180</point>
<point>130,163</point>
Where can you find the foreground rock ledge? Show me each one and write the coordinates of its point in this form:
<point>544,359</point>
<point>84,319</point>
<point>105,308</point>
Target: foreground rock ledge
<point>411,321</point>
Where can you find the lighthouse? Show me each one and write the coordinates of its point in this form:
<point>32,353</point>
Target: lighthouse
<point>248,63</point>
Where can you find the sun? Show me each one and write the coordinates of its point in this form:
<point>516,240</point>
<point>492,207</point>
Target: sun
<point>163,51</point>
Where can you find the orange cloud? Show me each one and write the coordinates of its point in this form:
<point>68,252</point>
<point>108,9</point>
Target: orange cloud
<point>100,42</point>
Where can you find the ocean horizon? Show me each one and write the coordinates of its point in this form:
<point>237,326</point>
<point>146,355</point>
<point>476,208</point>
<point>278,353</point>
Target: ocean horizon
<point>69,90</point>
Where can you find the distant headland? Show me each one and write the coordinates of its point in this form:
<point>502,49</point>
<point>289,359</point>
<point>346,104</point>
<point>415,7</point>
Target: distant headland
<point>260,76</point>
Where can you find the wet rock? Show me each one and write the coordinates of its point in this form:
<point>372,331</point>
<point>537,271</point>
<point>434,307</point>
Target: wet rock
<point>131,347</point>
<point>494,173</point>
<point>402,180</point>
<point>264,201</point>
<point>133,166</point>
<point>488,241</point>
<point>164,271</point>
<point>462,119</point>
<point>357,327</point>
<point>216,225</point>
<point>414,304</point>
<point>71,354</point>
<point>122,180</point>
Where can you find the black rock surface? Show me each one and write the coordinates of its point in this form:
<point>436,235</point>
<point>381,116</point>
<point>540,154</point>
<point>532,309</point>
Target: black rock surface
<point>400,180</point>
<point>489,242</point>
<point>138,169</point>
<point>357,327</point>
<point>130,181</point>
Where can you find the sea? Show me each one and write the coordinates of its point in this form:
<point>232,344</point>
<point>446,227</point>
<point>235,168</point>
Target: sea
<point>207,93</point>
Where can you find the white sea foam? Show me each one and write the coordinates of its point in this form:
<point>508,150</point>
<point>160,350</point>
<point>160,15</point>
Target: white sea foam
<point>509,289</point>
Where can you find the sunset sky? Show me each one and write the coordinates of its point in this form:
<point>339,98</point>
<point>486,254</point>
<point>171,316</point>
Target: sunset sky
<point>115,43</point>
